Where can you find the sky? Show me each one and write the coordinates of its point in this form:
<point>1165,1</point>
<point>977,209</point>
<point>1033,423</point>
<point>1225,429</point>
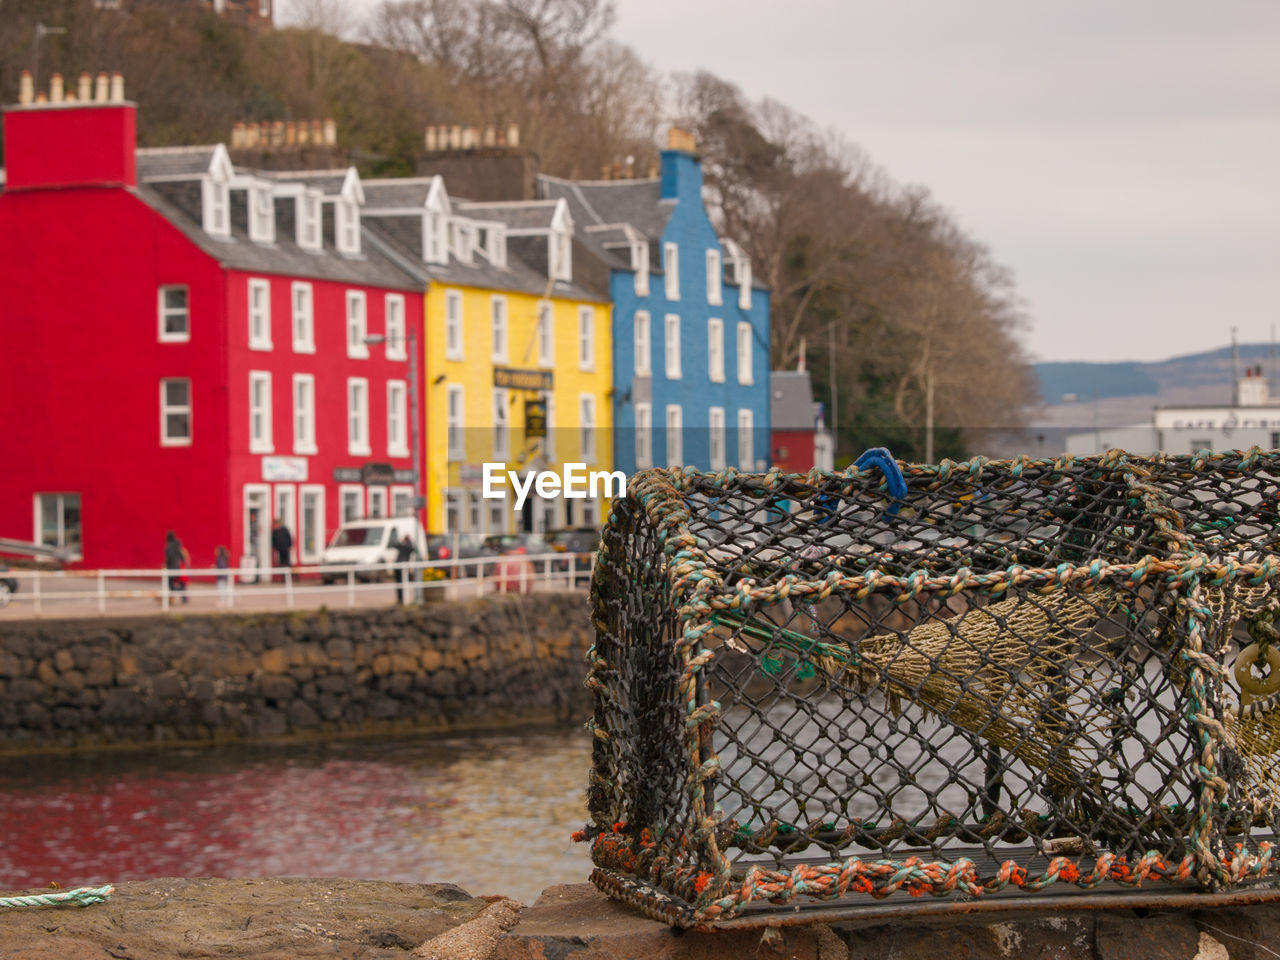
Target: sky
<point>1120,157</point>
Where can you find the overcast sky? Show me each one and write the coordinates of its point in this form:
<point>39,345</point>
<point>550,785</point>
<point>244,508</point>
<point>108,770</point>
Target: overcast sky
<point>1120,156</point>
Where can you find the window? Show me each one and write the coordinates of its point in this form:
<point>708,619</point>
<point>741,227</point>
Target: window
<point>590,512</point>
<point>347,224</point>
<point>498,309</point>
<point>501,425</point>
<point>673,346</point>
<point>377,502</point>
<point>452,511</point>
<point>175,413</point>
<point>435,229</point>
<point>473,512</point>
<point>644,436</point>
<point>264,8</point>
<point>643,350</point>
<point>453,325</point>
<point>675,435</point>
<point>352,502</point>
<point>587,427</point>
<point>640,264</point>
<point>1275,440</point>
<point>216,201</point>
<point>175,316</point>
<point>498,514</point>
<point>397,419</point>
<point>586,338</point>
<point>397,338</point>
<point>357,328</point>
<point>715,350</point>
<point>304,413</point>
<point>1198,445</point>
<point>746,440</point>
<point>311,524</point>
<point>304,319</point>
<point>58,521</point>
<point>561,253</point>
<point>402,501</point>
<point>259,315</point>
<point>546,335</point>
<point>457,447</point>
<point>358,416</point>
<point>462,240</point>
<point>744,284</point>
<point>714,277</point>
<point>715,423</point>
<point>744,353</point>
<point>307,211</point>
<point>671,269</point>
<point>260,412</point>
<point>262,215</point>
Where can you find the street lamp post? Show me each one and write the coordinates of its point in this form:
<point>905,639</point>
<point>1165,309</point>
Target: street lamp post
<point>419,502</point>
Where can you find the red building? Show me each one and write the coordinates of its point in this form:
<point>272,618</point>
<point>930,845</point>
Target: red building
<point>799,441</point>
<point>185,347</point>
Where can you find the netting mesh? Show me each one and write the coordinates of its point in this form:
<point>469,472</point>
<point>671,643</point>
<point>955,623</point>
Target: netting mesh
<point>1018,674</point>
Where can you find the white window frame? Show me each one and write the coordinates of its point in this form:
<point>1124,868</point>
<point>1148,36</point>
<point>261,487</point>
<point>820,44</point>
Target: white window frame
<point>746,439</point>
<point>60,536</point>
<point>307,211</point>
<point>715,438</point>
<point>177,409</point>
<point>675,435</point>
<point>284,507</point>
<point>305,492</point>
<point>260,414</point>
<point>357,325</point>
<point>715,278</point>
<point>346,227</point>
<point>302,300</point>
<point>358,417</point>
<point>304,413</point>
<point>402,492</point>
<point>561,254</point>
<point>586,339</point>
<point>671,346</point>
<point>501,423</point>
<point>259,314</point>
<point>546,334</point>
<point>397,336</point>
<point>640,263</point>
<point>499,329</point>
<point>453,325</point>
<point>475,516</point>
<point>216,206</point>
<point>452,511</point>
<point>744,284</point>
<point>671,270</point>
<point>644,436</point>
<point>262,214</point>
<point>642,333</point>
<point>345,490</point>
<point>455,435</point>
<point>746,353</point>
<point>379,503</point>
<point>397,418</point>
<point>715,349</point>
<point>164,312</point>
<point>587,427</point>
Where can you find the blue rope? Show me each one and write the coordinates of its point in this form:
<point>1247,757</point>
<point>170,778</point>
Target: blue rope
<point>881,458</point>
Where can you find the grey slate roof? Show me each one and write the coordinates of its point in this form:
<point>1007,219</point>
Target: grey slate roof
<point>791,405</point>
<point>517,215</point>
<point>408,193</point>
<point>637,202</point>
<point>173,161</point>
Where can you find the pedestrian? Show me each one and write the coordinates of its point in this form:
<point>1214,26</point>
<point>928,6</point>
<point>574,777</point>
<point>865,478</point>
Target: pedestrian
<point>405,551</point>
<point>281,543</point>
<point>176,558</point>
<point>222,560</point>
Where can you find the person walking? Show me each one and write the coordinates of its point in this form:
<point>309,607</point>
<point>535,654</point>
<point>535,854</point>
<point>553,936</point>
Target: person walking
<point>222,560</point>
<point>176,558</point>
<point>405,551</point>
<point>281,543</point>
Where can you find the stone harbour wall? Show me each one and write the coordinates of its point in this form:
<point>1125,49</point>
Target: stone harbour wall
<point>485,662</point>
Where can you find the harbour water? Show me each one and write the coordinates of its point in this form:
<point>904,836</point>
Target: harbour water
<point>492,813</point>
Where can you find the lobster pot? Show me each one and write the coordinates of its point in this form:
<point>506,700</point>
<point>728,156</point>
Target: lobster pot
<point>1021,675</point>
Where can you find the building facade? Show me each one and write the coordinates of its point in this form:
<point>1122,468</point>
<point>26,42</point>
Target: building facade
<point>187,348</point>
<point>690,327</point>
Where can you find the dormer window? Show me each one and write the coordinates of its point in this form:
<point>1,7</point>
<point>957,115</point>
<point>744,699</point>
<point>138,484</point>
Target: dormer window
<point>262,215</point>
<point>744,283</point>
<point>347,225</point>
<point>307,213</point>
<point>491,241</point>
<point>462,238</point>
<point>561,255</point>
<point>216,206</point>
<point>640,264</point>
<point>435,238</point>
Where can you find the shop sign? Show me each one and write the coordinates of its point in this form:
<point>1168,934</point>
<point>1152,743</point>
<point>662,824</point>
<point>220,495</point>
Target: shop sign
<point>513,379</point>
<point>284,469</point>
<point>535,419</point>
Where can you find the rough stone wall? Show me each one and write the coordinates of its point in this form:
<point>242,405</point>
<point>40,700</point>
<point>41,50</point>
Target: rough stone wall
<point>483,662</point>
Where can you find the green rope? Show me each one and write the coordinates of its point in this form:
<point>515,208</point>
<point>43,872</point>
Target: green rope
<point>81,895</point>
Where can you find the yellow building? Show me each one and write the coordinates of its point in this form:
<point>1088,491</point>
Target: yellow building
<point>516,359</point>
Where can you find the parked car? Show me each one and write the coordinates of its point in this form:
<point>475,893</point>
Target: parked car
<point>368,543</point>
<point>460,546</point>
<point>8,586</point>
<point>579,541</point>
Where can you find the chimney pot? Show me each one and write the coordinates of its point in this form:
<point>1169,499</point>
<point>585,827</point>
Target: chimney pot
<point>429,139</point>
<point>42,97</point>
<point>26,88</point>
<point>290,133</point>
<point>513,135</point>
<point>100,89</point>
<point>69,97</point>
<point>55,88</point>
<point>304,133</point>
<point>455,137</point>
<point>490,135</point>
<point>604,172</point>
<point>277,134</point>
<point>330,132</point>
<point>84,88</point>
<point>237,135</point>
<point>117,87</point>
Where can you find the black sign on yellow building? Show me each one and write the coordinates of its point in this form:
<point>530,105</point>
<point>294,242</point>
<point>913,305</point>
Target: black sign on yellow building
<point>535,418</point>
<point>513,379</point>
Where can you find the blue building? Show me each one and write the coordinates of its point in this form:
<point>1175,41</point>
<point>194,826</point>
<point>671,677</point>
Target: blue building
<point>690,327</point>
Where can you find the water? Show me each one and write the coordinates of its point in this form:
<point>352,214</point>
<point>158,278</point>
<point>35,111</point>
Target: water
<point>492,813</point>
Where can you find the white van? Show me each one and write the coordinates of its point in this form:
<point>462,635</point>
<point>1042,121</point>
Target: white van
<point>369,542</point>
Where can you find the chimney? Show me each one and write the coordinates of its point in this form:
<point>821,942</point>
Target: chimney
<point>304,133</point>
<point>330,132</point>
<point>100,89</point>
<point>630,170</point>
<point>317,132</point>
<point>277,134</point>
<point>55,88</point>
<point>681,168</point>
<point>290,133</point>
<point>468,138</point>
<point>84,88</point>
<point>117,88</point>
<point>490,135</point>
<point>237,136</point>
<point>429,139</point>
<point>513,135</point>
<point>26,89</point>
<point>678,139</point>
<point>455,137</point>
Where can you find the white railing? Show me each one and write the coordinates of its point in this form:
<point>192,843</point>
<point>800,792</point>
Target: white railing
<point>75,592</point>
